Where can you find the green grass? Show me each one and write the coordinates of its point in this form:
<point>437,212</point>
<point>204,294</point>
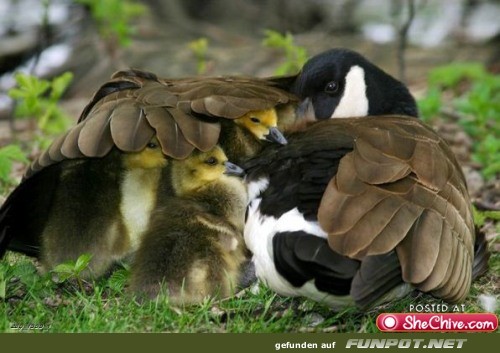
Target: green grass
<point>105,306</point>
<point>472,95</point>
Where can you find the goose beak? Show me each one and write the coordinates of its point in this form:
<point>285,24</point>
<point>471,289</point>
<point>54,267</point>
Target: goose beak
<point>233,169</point>
<point>276,136</point>
<point>305,111</point>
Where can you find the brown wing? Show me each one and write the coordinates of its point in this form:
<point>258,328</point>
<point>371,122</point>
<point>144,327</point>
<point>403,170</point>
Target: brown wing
<point>401,188</point>
<point>184,114</point>
<point>229,97</point>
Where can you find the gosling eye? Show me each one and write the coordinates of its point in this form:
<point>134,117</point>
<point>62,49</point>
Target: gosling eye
<point>211,161</point>
<point>254,119</point>
<point>152,145</point>
<point>331,87</point>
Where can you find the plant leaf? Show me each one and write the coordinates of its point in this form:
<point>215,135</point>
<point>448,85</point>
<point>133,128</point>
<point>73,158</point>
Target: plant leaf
<point>82,262</point>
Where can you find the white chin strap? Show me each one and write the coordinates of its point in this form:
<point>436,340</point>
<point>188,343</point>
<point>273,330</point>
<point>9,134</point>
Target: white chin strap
<point>354,102</point>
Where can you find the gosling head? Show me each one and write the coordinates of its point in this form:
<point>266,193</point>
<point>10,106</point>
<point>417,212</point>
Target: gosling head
<point>263,125</point>
<point>201,169</point>
<point>149,157</point>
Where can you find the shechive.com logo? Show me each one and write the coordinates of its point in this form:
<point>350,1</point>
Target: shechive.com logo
<point>437,322</point>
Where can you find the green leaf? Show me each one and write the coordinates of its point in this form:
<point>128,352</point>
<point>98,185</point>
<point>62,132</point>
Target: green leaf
<point>26,272</point>
<point>295,56</point>
<point>114,18</point>
<point>13,152</point>
<point>60,84</point>
<point>33,101</point>
<point>118,279</point>
<point>8,154</point>
<point>61,277</point>
<point>65,268</point>
<point>3,283</point>
<point>71,269</point>
<point>480,217</point>
<point>44,119</point>
<point>430,105</point>
<point>5,168</point>
<point>491,170</point>
<point>16,93</point>
<point>24,269</point>
<point>451,75</point>
<point>273,39</point>
<point>199,47</point>
<point>82,262</point>
<point>31,85</point>
<point>3,288</point>
<point>283,69</point>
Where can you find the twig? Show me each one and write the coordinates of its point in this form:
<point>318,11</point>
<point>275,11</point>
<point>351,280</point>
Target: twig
<point>452,114</point>
<point>486,206</point>
<point>403,40</point>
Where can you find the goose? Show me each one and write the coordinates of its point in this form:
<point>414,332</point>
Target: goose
<point>365,203</point>
<point>194,245</point>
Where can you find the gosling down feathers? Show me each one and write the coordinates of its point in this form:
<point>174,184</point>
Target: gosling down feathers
<point>194,245</point>
<point>98,206</point>
<point>360,210</point>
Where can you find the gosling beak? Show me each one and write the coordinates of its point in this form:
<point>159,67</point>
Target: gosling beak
<point>275,136</point>
<point>233,169</point>
<point>305,111</point>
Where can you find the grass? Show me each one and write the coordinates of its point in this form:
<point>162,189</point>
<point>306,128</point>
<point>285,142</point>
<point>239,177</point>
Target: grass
<point>105,306</point>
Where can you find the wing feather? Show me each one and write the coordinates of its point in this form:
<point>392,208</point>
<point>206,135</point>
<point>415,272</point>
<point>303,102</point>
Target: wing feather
<point>70,148</point>
<point>129,128</point>
<point>168,132</point>
<point>95,138</point>
<point>203,134</point>
<point>402,189</point>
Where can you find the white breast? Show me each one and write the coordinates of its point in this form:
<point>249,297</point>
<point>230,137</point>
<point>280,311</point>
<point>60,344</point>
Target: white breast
<point>259,232</point>
<point>256,187</point>
<point>138,197</point>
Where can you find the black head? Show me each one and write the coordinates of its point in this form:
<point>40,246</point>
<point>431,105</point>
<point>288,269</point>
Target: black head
<point>342,83</point>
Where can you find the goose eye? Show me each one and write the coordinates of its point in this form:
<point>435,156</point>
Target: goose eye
<point>331,87</point>
<point>151,145</point>
<point>211,161</point>
<point>255,120</point>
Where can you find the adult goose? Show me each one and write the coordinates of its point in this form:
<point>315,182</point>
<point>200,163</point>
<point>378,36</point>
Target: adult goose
<point>365,205</point>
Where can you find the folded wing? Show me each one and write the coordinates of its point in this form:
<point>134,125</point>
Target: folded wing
<point>401,189</point>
